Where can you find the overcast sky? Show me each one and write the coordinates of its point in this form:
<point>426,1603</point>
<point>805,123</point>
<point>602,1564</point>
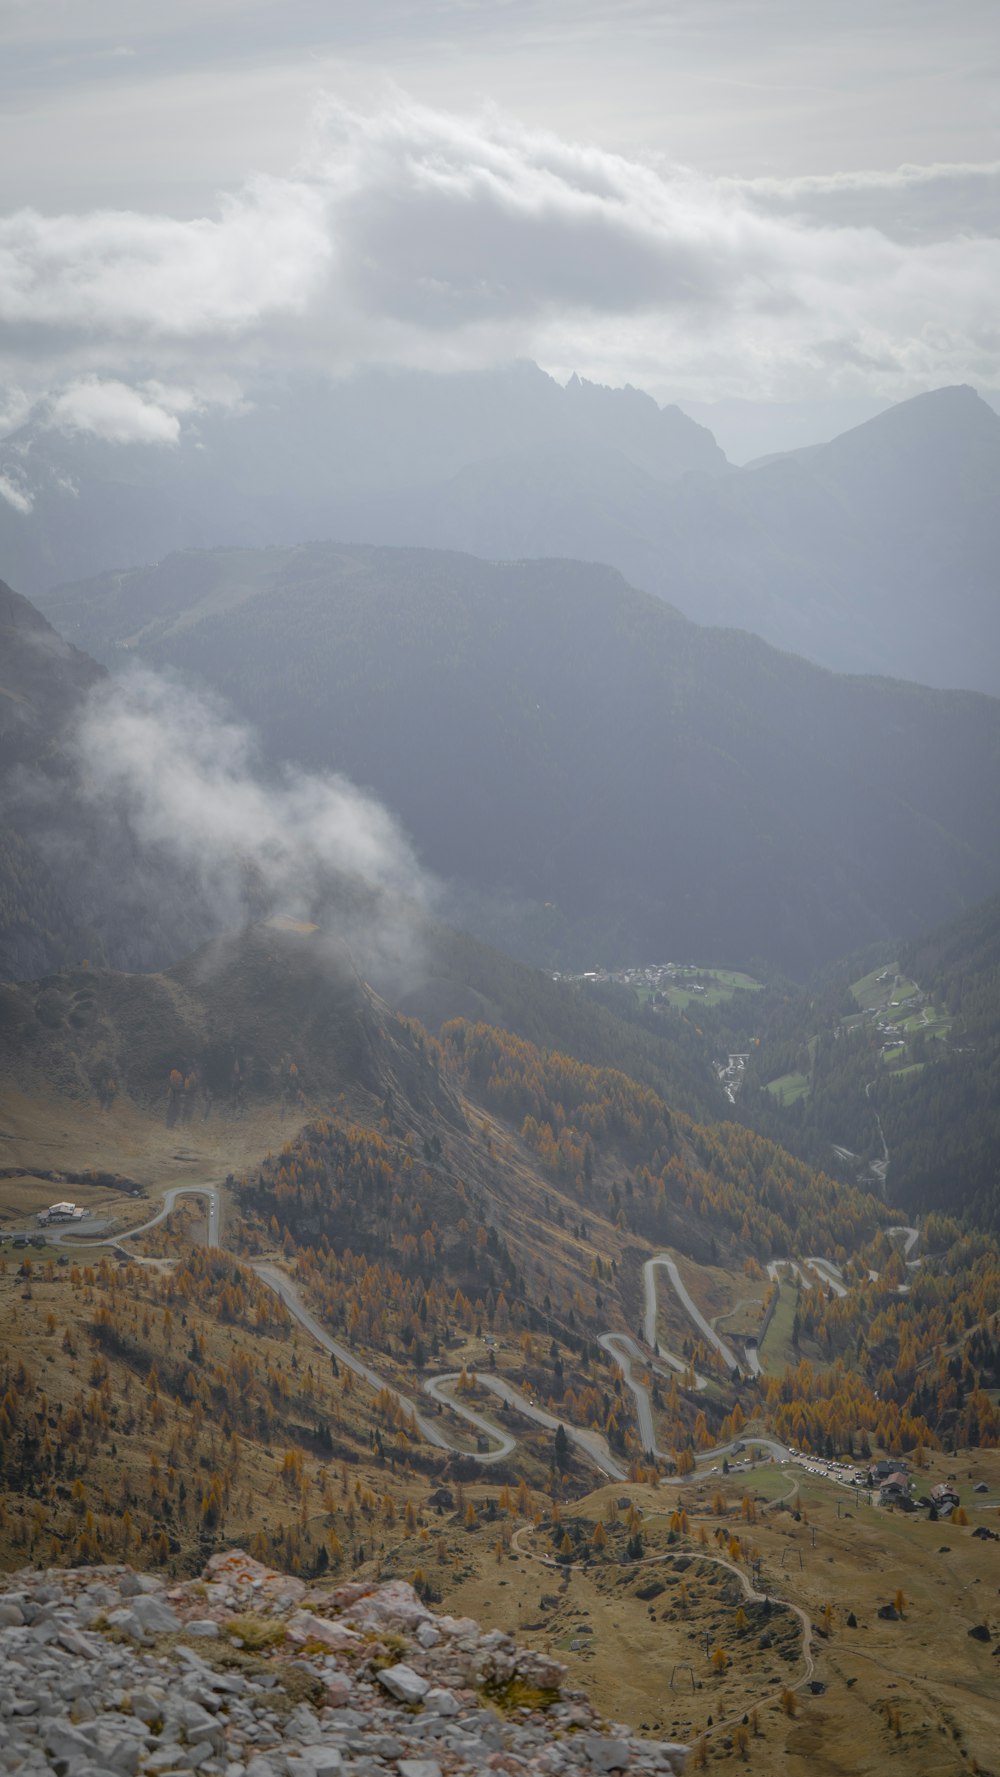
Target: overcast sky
<point>724,201</point>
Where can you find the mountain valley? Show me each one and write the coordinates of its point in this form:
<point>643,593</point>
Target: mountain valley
<point>393,1255</point>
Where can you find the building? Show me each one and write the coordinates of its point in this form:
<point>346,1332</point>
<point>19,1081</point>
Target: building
<point>895,1491</point>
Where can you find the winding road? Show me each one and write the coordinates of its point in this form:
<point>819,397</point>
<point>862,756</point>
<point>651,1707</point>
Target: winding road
<point>592,1445</point>
<point>665,1262</point>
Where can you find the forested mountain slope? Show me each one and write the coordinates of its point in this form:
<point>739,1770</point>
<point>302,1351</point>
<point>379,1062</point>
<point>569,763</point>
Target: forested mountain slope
<point>943,1126</point>
<point>544,730</point>
<point>916,1077</point>
<point>43,682</point>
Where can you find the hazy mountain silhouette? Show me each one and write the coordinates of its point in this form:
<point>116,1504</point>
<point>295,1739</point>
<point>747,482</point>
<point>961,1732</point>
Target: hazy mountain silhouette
<point>647,786</point>
<point>308,458</point>
<point>874,553</point>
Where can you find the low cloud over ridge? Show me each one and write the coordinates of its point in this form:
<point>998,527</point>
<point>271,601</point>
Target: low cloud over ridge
<point>184,779</point>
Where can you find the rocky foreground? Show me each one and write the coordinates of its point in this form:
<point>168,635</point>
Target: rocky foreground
<point>105,1672</point>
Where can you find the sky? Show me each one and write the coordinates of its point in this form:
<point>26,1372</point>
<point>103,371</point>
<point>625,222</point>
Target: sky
<point>783,217</point>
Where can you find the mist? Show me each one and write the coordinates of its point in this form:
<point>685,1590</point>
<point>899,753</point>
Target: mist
<point>182,781</point>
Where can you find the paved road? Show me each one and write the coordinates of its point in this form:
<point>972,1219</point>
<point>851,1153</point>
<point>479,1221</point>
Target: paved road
<point>664,1262</point>
<point>912,1235</point>
<point>59,1236</point>
<point>285,1288</point>
<point>439,1387</point>
<point>829,1274</point>
<point>590,1443</point>
<point>625,1351</point>
<point>170,1198</point>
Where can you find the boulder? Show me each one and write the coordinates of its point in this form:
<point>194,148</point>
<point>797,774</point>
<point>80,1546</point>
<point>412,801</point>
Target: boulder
<point>403,1683</point>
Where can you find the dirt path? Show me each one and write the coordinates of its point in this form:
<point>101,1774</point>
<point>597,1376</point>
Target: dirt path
<point>752,1596</point>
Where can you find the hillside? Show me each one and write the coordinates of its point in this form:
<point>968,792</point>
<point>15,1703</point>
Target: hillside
<point>412,1355</point>
<point>887,1067</point>
<point>277,1013</point>
<point>944,1126</point>
<point>43,682</point>
<point>641,786</point>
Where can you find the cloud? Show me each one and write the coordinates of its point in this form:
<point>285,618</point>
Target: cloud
<point>163,277</point>
<point>16,495</point>
<point>908,204</point>
<point>416,236</point>
<point>114,411</point>
<point>187,782</point>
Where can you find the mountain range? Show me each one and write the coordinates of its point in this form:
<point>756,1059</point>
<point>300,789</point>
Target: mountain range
<point>873,553</point>
<point>602,775</point>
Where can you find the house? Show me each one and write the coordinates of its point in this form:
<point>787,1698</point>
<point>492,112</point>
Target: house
<point>944,1498</point>
<point>886,1466</point>
<point>895,1490</point>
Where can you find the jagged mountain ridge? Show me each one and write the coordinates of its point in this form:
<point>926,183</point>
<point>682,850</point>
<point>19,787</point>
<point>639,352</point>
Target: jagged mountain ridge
<point>872,553</point>
<point>305,458</point>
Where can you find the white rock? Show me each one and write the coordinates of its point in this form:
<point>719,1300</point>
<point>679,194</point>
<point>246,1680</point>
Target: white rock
<point>441,1702</point>
<point>403,1683</point>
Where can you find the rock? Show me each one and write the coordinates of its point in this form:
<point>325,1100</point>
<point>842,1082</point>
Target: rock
<point>79,1705</point>
<point>146,1616</point>
<point>304,1626</point>
<point>979,1632</point>
<point>323,1761</point>
<point>606,1754</point>
<point>442,1702</point>
<point>303,1725</point>
<point>403,1683</point>
<point>71,1639</point>
<point>64,1741</point>
<point>129,1585</point>
<point>888,1613</point>
<point>394,1605</point>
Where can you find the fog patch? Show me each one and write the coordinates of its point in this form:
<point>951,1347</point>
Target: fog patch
<point>185,779</point>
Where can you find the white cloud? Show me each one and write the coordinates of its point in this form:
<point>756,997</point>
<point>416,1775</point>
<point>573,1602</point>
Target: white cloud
<point>114,411</point>
<point>17,496</point>
<point>187,780</point>
<point>412,235</point>
<point>114,270</point>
